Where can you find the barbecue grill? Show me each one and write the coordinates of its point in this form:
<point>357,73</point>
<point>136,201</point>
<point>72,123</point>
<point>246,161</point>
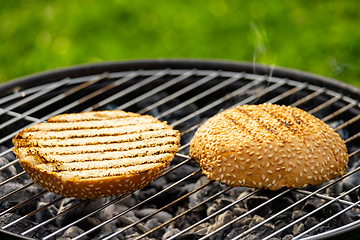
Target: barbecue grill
<point>181,204</point>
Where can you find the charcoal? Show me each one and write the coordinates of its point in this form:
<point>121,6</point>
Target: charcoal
<point>254,201</point>
<point>158,183</point>
<point>352,181</point>
<point>281,203</point>
<point>163,216</point>
<point>298,228</point>
<point>310,222</point>
<point>9,171</point>
<point>78,212</point>
<point>19,196</point>
<point>144,212</point>
<point>312,204</point>
<point>239,211</point>
<point>45,213</point>
<point>170,232</point>
<point>72,232</point>
<point>332,209</point>
<point>189,236</point>
<point>200,196</point>
<point>10,156</point>
<point>250,237</point>
<point>119,208</point>
<point>152,223</point>
<point>284,226</point>
<point>264,230</point>
<point>217,205</point>
<point>180,173</point>
<point>288,237</point>
<point>146,193</point>
<point>21,226</point>
<point>221,220</point>
<point>298,214</point>
<point>285,216</point>
<point>335,189</point>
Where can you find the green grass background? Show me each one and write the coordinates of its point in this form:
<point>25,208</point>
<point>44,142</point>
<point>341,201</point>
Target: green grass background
<point>321,37</point>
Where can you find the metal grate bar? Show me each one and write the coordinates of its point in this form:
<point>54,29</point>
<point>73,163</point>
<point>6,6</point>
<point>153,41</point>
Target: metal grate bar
<point>327,103</point>
<point>61,110</point>
<point>127,90</point>
<point>35,95</point>
<point>55,99</point>
<point>202,94</point>
<point>156,90</point>
<point>242,216</point>
<point>219,101</point>
<point>27,200</point>
<point>341,110</point>
<point>324,197</point>
<point>308,97</point>
<point>327,220</point>
<point>289,92</point>
<point>261,93</point>
<point>352,120</point>
<point>314,211</point>
<point>332,182</point>
<point>11,193</point>
<point>12,178</point>
<point>155,212</point>
<point>136,205</point>
<point>214,214</point>
<point>33,212</point>
<point>54,217</point>
<point>15,114</point>
<point>185,212</point>
<point>181,92</point>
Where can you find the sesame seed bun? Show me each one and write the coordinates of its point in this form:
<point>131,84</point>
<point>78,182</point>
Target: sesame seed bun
<point>268,146</point>
<point>96,154</point>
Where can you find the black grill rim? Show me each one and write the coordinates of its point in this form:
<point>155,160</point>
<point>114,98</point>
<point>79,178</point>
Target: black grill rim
<point>150,64</point>
<point>54,75</point>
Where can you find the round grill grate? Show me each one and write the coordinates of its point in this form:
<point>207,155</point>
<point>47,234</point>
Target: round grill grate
<point>181,204</point>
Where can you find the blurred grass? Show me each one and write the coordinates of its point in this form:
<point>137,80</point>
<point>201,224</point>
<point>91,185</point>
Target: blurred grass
<point>321,37</point>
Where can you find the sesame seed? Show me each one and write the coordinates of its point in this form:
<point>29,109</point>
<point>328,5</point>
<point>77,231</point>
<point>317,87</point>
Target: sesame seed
<point>270,172</point>
<point>271,155</point>
<point>91,185</point>
<point>279,176</point>
<point>309,177</point>
<point>260,157</point>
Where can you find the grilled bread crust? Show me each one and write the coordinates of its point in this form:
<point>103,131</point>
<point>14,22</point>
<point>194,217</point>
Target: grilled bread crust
<point>268,146</point>
<point>96,154</point>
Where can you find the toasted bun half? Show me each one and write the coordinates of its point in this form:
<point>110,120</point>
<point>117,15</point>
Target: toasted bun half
<point>96,154</point>
<point>268,146</point>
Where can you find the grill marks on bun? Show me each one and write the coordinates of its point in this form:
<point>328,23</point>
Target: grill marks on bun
<point>268,146</point>
<point>100,149</point>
